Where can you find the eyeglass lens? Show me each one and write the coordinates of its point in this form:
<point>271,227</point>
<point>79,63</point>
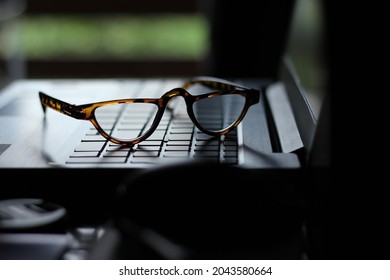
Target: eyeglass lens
<point>126,121</point>
<point>219,112</point>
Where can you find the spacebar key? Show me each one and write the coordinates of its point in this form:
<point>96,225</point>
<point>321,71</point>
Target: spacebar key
<point>96,160</point>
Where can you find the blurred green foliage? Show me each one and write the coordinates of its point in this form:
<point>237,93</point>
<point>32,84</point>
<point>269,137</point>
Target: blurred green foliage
<point>115,37</point>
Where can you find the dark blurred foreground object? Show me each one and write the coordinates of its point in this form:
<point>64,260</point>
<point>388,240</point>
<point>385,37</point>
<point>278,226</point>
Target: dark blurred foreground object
<point>205,211</point>
<point>32,228</point>
<point>29,214</point>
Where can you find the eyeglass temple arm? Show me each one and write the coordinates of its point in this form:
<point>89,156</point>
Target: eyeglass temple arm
<point>61,106</point>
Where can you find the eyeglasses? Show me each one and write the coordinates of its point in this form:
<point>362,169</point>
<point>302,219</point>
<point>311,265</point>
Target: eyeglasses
<point>215,113</point>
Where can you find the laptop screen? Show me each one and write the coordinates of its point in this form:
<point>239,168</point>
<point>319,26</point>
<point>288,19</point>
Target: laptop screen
<point>305,49</point>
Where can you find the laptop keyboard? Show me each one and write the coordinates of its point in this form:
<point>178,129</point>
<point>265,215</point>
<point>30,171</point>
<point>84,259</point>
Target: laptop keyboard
<point>175,138</point>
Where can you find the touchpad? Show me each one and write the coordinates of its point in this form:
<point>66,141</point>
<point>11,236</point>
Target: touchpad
<point>26,106</point>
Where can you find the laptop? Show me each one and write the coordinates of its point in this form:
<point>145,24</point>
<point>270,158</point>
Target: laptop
<point>65,161</point>
<point>270,135</point>
<point>55,140</point>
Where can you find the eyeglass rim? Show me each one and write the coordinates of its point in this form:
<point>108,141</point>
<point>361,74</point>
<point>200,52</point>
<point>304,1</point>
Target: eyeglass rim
<point>87,111</point>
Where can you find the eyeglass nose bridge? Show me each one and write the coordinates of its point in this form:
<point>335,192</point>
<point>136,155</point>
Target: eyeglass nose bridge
<point>175,93</point>
<point>189,99</point>
<point>178,92</point>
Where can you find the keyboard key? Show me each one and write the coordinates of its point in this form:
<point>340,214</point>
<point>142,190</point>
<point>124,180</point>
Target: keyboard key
<point>139,153</point>
<point>116,153</point>
<point>181,130</point>
<point>179,143</point>
<point>205,137</point>
<point>176,154</point>
<point>179,137</point>
<point>207,143</point>
<point>85,154</point>
<point>150,143</point>
<point>115,147</point>
<point>94,138</point>
<point>96,160</point>
<point>206,154</point>
<point>148,160</point>
<point>148,148</point>
<point>89,146</point>
<point>207,148</point>
<point>230,154</point>
<point>177,148</point>
<point>230,148</point>
<point>157,135</point>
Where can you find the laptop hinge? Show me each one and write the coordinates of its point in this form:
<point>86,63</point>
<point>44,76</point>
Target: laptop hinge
<point>283,121</point>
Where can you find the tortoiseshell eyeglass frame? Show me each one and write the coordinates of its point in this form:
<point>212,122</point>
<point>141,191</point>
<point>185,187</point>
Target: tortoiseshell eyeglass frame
<point>87,111</point>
